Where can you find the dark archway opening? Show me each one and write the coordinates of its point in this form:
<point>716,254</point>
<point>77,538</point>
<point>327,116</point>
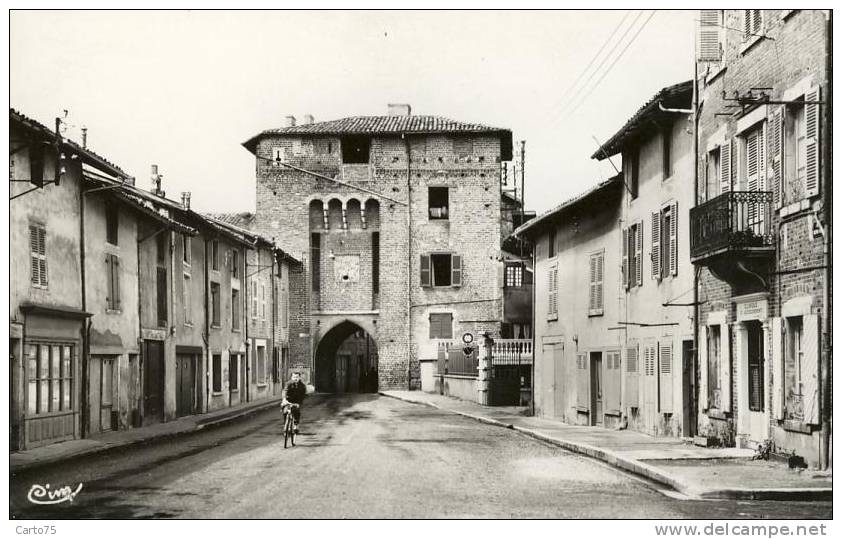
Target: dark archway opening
<point>346,361</point>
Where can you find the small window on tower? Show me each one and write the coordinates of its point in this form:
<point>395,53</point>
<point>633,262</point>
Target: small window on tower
<point>439,203</point>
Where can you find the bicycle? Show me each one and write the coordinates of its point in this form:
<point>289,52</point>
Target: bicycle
<point>289,425</point>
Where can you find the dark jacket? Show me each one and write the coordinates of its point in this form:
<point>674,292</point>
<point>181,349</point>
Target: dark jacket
<point>296,391</point>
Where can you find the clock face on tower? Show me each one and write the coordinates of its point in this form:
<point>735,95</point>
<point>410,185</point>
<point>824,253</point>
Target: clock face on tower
<point>346,268</point>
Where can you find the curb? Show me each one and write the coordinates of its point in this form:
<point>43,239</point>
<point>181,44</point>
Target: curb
<point>113,446</point>
<point>646,470</point>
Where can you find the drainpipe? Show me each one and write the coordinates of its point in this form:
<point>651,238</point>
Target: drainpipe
<point>692,429</point>
<point>206,336</point>
<point>244,393</point>
<point>534,354</point>
<point>86,325</point>
<point>408,255</point>
<point>825,454</point>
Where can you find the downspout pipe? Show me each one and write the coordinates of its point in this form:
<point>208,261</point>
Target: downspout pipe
<point>692,429</point>
<point>408,256</point>
<point>86,327</point>
<point>825,453</point>
<point>207,330</point>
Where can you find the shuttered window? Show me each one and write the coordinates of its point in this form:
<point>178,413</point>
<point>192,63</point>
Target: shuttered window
<point>811,144</point>
<point>752,23</point>
<point>633,255</point>
<point>596,272</point>
<point>714,341</point>
<point>112,274</point>
<point>709,45</point>
<point>441,270</point>
<point>725,170</point>
<point>161,295</point>
<point>235,309</point>
<point>441,325</point>
<point>552,293</point>
<point>801,369</point>
<point>216,368</point>
<point>665,241</point>
<point>776,141</point>
<point>38,255</point>
<point>215,305</point>
<point>253,292</point>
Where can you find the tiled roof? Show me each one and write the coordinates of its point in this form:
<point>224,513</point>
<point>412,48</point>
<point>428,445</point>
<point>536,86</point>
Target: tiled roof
<point>240,219</point>
<point>371,125</point>
<point>87,155</point>
<point>613,182</point>
<point>677,96</point>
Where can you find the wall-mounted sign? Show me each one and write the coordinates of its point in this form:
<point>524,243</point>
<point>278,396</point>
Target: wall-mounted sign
<point>752,310</point>
<point>467,338</point>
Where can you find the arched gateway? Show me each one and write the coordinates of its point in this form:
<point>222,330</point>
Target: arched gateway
<point>346,360</point>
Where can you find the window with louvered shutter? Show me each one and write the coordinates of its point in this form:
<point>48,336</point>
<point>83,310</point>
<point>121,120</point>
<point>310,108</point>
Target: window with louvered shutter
<point>755,175</point>
<point>811,120</point>
<point>552,293</point>
<point>596,278</point>
<point>709,40</point>
<point>775,154</point>
<point>38,255</point>
<point>638,254</point>
<point>673,232</point>
<point>656,245</point>
<point>725,167</point>
<point>752,23</point>
<point>631,360</point>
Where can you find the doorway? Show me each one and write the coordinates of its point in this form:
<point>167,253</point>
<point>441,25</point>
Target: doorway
<point>346,360</point>
<point>753,386</point>
<point>596,389</point>
<point>185,384</point>
<point>153,382</point>
<point>688,388</point>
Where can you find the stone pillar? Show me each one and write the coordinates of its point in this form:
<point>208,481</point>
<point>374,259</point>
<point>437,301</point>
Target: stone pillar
<point>484,371</point>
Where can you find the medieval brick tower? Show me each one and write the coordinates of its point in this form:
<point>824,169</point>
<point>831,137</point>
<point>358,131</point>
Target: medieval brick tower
<point>397,221</point>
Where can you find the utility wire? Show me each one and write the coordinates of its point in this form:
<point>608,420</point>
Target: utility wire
<point>595,56</point>
<point>602,63</point>
<point>640,29</point>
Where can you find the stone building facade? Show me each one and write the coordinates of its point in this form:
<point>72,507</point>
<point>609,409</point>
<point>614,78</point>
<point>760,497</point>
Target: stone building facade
<point>761,229</point>
<point>397,220</point>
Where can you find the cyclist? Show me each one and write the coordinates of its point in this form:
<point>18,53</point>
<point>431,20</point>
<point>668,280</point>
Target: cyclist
<point>294,393</point>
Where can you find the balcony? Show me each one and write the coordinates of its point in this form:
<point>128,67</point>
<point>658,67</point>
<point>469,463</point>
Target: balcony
<point>733,236</point>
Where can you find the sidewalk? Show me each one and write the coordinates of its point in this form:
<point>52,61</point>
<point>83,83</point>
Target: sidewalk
<point>697,472</point>
<point>42,456</point>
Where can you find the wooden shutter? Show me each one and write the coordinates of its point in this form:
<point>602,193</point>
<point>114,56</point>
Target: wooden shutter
<point>811,118</point>
<point>708,38</point>
<point>600,279</point>
<point>591,283</point>
<point>702,348</point>
<point>756,21</point>
<point>666,370</point>
<point>625,267</point>
<point>35,264</point>
<point>810,369</point>
<point>115,282</point>
<point>725,367</point>
<point>725,167</point>
<point>456,270</point>
<point>656,245</point>
<point>109,287</point>
<point>638,253</point>
<point>632,398</point>
<point>777,369</point>
<point>746,24</point>
<point>582,382</point>
<point>776,138</point>
<point>552,292</point>
<point>425,271</point>
<point>673,232</point>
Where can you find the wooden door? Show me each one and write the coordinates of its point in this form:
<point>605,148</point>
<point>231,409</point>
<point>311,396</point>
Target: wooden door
<point>559,375</point>
<point>106,394</point>
<point>596,388</point>
<point>153,382</point>
<point>185,368</point>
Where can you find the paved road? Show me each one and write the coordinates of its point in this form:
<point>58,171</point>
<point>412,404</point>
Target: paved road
<point>365,456</point>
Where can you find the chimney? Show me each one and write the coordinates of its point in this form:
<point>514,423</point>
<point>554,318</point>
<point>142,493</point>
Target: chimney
<point>84,137</point>
<point>289,121</point>
<point>308,119</point>
<point>400,109</point>
<point>185,199</point>
<point>156,181</point>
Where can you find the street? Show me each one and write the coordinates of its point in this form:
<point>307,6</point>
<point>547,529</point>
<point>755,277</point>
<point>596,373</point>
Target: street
<point>364,456</point>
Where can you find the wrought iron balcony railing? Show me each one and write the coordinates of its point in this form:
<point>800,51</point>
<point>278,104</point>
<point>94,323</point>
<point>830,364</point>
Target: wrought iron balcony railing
<point>734,221</point>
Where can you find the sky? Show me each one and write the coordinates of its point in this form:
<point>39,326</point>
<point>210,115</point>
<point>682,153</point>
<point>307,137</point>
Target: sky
<point>184,89</point>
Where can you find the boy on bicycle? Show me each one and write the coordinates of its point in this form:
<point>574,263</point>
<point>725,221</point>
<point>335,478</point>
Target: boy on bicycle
<point>294,393</point>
